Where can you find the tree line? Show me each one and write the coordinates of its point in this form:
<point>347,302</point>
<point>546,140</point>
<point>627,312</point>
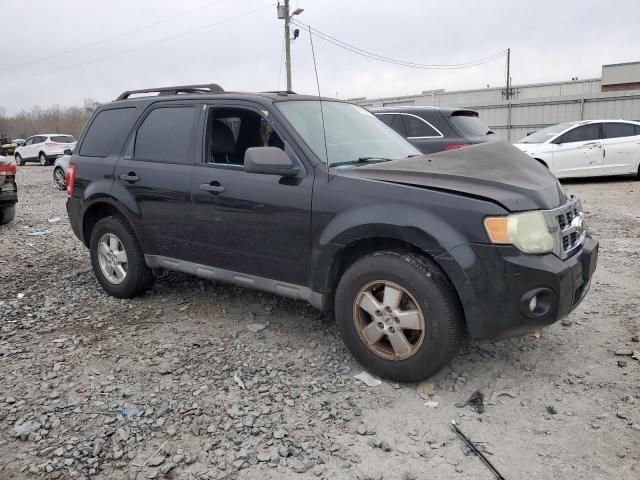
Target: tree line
<point>55,119</point>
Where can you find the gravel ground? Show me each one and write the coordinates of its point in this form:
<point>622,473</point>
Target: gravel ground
<point>203,380</point>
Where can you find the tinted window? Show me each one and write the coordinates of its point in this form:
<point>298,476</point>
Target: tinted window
<point>416,127</point>
<point>394,121</point>
<point>165,135</point>
<point>29,141</point>
<point>39,139</point>
<point>581,134</point>
<point>104,131</point>
<point>470,125</point>
<point>63,139</point>
<point>617,130</point>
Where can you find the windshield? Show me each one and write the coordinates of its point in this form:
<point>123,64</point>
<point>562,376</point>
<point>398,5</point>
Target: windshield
<point>353,134</point>
<point>545,134</point>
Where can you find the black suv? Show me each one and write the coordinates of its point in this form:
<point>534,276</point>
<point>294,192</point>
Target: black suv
<point>433,129</point>
<point>319,201</point>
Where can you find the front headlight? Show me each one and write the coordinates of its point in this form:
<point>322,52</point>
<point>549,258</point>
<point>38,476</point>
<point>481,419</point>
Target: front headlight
<point>528,232</point>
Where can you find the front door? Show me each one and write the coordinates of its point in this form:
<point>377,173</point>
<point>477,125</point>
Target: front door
<point>156,171</point>
<point>579,152</point>
<point>250,223</point>
<point>27,148</point>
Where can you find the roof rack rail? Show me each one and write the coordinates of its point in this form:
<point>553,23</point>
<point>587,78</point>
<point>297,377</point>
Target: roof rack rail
<point>161,91</point>
<point>283,92</point>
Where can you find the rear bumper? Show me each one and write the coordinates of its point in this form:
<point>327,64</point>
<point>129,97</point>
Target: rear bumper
<point>73,210</point>
<point>497,283</point>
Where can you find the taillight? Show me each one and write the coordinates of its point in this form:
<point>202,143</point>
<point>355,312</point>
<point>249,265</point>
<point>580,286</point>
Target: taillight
<point>71,178</point>
<point>8,169</point>
<point>455,146</point>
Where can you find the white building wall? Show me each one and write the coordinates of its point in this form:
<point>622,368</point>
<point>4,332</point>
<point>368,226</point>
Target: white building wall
<point>532,107</point>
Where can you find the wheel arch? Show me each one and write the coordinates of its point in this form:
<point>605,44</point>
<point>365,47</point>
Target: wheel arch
<point>542,162</point>
<point>104,207</point>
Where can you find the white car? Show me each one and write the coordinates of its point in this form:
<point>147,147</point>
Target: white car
<point>44,148</point>
<point>587,148</point>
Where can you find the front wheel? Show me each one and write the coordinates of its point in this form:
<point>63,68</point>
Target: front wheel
<point>117,259</point>
<point>19,160</point>
<point>399,315</point>
<point>59,178</point>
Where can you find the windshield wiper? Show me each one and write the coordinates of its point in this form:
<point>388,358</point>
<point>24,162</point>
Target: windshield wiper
<point>362,160</point>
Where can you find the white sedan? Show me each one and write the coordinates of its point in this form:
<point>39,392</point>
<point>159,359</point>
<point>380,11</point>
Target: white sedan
<point>587,148</point>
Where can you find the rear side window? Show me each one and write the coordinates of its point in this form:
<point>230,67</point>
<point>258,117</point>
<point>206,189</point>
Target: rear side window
<point>394,121</point>
<point>417,127</point>
<point>105,130</point>
<point>165,135</point>
<point>62,139</point>
<point>581,134</point>
<point>470,125</point>
<point>617,130</point>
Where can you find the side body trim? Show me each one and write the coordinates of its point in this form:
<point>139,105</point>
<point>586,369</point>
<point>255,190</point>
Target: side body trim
<point>289,290</point>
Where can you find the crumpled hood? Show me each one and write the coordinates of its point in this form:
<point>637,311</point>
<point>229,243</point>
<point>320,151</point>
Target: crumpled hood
<point>496,171</point>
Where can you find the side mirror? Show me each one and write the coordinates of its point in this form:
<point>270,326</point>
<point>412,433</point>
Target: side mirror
<point>67,151</point>
<point>269,161</point>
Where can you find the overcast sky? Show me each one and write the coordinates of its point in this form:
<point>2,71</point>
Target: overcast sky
<point>550,40</point>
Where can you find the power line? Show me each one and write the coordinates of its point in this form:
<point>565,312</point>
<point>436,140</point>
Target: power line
<point>365,53</point>
<point>119,35</point>
<point>121,52</point>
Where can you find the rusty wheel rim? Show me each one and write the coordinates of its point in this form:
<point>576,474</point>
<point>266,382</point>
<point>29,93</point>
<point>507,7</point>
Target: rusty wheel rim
<point>389,321</point>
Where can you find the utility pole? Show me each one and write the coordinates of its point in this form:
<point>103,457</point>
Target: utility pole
<point>283,14</point>
<point>508,73</point>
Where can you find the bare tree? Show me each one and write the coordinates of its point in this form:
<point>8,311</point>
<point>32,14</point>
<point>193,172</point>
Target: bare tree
<point>55,119</point>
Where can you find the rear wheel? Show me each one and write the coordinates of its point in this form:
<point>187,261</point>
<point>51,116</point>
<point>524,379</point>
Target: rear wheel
<point>399,315</point>
<point>59,178</point>
<point>43,159</point>
<point>19,160</point>
<point>117,259</point>
<point>7,214</point>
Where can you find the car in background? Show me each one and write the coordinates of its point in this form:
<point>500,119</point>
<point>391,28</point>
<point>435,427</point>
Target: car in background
<point>433,129</point>
<point>586,148</point>
<point>8,190</point>
<point>60,167</point>
<point>44,148</point>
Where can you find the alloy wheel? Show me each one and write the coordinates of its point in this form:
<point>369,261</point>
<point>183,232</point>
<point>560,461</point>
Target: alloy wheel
<point>59,178</point>
<point>112,258</point>
<point>43,160</point>
<point>389,320</point>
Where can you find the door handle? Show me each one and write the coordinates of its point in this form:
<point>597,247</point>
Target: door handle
<point>130,177</point>
<point>593,144</point>
<point>214,188</point>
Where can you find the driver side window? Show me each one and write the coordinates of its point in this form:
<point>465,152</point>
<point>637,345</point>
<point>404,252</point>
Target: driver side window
<point>231,131</point>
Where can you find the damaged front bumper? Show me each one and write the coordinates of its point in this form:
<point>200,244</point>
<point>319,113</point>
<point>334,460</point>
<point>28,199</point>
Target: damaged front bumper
<point>505,292</point>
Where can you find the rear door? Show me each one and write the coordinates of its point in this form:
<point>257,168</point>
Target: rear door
<point>422,133</point>
<point>155,173</point>
<point>621,148</point>
<point>579,152</point>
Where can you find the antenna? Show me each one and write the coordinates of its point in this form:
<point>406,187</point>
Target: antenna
<point>315,66</point>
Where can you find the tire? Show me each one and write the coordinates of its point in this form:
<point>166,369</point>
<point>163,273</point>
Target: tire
<point>425,287</point>
<point>59,178</point>
<point>138,276</point>
<point>19,160</point>
<point>44,161</point>
<point>7,214</point>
